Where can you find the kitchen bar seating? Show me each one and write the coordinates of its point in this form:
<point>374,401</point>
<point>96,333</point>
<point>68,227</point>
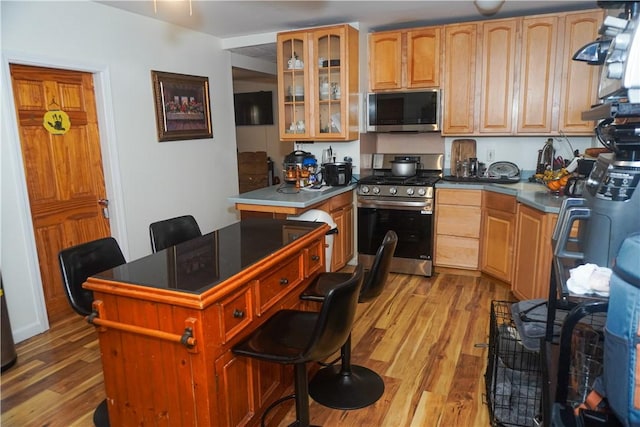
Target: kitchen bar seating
<point>77,263</point>
<point>172,231</point>
<point>295,337</point>
<point>351,386</point>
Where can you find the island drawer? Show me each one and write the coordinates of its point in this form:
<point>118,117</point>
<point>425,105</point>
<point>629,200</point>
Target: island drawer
<point>313,258</point>
<point>236,312</point>
<point>275,284</point>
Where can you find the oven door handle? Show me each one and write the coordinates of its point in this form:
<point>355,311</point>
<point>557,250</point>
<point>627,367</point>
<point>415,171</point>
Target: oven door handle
<point>418,205</point>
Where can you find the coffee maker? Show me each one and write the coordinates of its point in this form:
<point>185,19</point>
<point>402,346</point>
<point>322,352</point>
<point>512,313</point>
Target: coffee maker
<point>609,209</point>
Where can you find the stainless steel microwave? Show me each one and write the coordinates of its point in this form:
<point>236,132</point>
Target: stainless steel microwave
<point>414,111</point>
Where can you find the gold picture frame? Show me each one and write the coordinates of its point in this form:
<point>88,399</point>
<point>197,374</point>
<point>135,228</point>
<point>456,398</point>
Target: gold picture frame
<point>182,106</point>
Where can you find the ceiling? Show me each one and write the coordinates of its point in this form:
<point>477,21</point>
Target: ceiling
<point>237,18</point>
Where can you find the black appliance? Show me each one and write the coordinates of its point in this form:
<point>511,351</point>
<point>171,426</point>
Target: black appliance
<point>337,174</point>
<point>417,111</point>
<point>404,204</point>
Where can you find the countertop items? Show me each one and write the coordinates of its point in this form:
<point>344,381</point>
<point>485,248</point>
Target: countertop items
<point>531,194</point>
<point>289,196</point>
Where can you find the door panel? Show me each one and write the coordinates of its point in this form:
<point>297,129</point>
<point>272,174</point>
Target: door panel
<point>63,172</point>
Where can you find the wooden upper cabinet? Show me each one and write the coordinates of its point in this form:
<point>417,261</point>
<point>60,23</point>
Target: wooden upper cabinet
<point>537,74</point>
<point>385,60</point>
<point>408,59</point>
<point>498,59</point>
<point>318,84</point>
<point>459,79</point>
<point>423,58</point>
<point>579,88</point>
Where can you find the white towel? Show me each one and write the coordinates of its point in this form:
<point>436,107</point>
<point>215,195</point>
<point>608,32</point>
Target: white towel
<point>589,279</point>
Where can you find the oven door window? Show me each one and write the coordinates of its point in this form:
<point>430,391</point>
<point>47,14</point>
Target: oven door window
<point>414,230</point>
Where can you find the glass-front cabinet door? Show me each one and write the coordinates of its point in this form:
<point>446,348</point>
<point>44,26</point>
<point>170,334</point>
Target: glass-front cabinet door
<point>318,84</point>
<point>328,83</point>
<point>293,86</point>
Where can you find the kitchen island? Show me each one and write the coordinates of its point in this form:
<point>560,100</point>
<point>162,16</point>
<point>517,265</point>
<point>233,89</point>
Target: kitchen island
<point>281,201</point>
<point>167,322</point>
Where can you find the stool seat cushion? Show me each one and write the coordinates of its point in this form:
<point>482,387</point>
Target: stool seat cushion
<point>282,339</point>
<point>319,288</point>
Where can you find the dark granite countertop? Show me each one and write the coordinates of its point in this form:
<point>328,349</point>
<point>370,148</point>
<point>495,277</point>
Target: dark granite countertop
<point>202,263</point>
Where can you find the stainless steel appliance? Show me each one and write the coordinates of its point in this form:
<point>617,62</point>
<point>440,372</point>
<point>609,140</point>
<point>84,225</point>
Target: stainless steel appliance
<point>415,111</point>
<point>404,204</point>
<point>608,211</point>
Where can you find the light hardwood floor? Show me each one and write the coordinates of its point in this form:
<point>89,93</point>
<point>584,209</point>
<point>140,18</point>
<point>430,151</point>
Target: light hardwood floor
<point>425,336</point>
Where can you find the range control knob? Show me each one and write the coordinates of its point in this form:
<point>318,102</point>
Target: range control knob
<point>615,70</point>
<point>364,189</point>
<point>393,190</point>
<point>376,190</point>
<point>422,191</point>
<point>410,191</point>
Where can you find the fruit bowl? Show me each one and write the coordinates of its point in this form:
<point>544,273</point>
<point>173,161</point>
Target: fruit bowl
<point>556,184</point>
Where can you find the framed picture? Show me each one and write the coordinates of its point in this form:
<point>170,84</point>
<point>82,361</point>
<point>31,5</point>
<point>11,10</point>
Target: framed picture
<point>182,106</point>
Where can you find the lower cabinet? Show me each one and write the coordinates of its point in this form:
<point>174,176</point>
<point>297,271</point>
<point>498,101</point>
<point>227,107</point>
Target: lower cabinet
<point>458,216</point>
<point>340,208</point>
<point>245,387</point>
<point>532,270</point>
<point>498,235</point>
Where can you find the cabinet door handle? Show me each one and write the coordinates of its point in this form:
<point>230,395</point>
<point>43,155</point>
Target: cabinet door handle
<point>238,314</point>
<point>284,281</point>
<point>315,258</point>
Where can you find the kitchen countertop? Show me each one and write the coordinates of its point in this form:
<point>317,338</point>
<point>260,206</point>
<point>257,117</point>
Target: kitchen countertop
<point>531,194</point>
<point>289,196</point>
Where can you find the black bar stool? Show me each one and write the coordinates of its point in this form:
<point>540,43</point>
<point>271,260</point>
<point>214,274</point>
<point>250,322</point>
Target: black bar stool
<point>295,337</point>
<point>351,386</point>
<point>78,263</point>
<point>172,231</point>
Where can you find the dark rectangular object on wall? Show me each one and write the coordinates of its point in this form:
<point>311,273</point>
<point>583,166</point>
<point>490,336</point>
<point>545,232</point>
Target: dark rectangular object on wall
<point>253,108</point>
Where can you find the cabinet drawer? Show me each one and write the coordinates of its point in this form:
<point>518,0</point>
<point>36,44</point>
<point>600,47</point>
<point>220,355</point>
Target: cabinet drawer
<point>340,201</point>
<point>457,252</point>
<point>462,221</point>
<point>236,312</point>
<point>274,285</point>
<point>499,202</point>
<point>313,258</point>
<point>459,197</point>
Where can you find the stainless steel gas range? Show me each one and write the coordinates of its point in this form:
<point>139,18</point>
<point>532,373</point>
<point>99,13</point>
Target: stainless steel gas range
<point>404,204</point>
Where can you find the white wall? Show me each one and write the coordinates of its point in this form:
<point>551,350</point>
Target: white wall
<point>146,180</point>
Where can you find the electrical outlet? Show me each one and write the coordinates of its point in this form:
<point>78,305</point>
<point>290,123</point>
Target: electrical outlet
<point>491,155</point>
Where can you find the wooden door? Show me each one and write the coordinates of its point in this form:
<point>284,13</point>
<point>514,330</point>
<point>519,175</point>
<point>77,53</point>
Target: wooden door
<point>459,79</point>
<point>64,176</point>
<point>579,80</point>
<point>385,60</point>
<point>498,59</point>
<point>423,58</point>
<point>537,74</point>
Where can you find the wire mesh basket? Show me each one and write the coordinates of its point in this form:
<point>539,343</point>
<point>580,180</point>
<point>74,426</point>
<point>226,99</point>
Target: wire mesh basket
<point>513,377</point>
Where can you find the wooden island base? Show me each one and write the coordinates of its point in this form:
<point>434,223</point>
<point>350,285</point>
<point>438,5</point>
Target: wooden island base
<point>166,345</point>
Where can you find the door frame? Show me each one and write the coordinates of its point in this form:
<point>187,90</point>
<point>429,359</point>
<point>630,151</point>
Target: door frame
<point>111,170</point>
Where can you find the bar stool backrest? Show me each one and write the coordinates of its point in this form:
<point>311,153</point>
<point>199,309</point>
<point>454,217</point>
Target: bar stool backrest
<point>82,261</point>
<point>336,317</point>
<point>172,231</point>
<point>376,277</point>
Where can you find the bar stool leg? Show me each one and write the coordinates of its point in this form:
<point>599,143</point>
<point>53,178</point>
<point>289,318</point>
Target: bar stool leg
<point>346,387</point>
